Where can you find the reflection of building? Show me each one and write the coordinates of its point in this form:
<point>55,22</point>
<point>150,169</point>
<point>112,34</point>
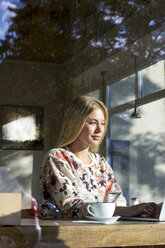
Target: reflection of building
<point>69,62</point>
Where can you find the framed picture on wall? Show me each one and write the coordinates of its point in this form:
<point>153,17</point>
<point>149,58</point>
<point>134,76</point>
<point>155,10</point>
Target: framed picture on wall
<point>22,128</point>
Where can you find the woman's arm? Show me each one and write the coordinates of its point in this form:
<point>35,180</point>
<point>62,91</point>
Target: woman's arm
<point>60,188</point>
<point>114,194</point>
<point>150,209</point>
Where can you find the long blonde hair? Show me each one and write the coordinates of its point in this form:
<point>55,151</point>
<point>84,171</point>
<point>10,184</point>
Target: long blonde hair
<point>76,117</point>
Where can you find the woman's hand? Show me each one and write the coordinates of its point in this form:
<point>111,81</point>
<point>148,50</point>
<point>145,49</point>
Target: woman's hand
<point>149,209</point>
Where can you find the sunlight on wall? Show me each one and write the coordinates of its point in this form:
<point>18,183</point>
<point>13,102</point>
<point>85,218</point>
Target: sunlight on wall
<point>155,75</point>
<point>21,130</point>
<point>160,170</point>
<point>147,142</point>
<point>148,195</point>
<point>152,119</point>
<point>146,151</point>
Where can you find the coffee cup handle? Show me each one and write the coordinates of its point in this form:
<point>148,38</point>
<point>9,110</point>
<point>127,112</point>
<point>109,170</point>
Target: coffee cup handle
<point>89,209</point>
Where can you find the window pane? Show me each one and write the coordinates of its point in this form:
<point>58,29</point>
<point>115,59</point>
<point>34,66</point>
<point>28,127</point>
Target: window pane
<point>53,51</point>
<point>122,91</point>
<point>153,78</point>
<point>143,170</point>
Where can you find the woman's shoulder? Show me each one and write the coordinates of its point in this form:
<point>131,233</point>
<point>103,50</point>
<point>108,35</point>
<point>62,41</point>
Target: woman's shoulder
<point>56,150</point>
<point>55,153</point>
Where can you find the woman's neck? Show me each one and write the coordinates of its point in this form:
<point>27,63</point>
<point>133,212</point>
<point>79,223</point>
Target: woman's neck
<point>81,153</point>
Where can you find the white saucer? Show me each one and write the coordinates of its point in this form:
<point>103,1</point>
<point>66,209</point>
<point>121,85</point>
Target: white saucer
<point>108,220</point>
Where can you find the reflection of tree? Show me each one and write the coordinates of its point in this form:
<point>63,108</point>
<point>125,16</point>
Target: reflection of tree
<point>58,30</point>
<point>77,36</point>
<point>50,30</point>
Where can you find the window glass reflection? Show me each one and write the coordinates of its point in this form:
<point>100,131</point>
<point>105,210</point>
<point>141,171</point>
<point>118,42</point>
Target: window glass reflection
<point>52,51</point>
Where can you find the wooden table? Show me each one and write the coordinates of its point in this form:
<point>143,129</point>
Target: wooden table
<point>71,234</point>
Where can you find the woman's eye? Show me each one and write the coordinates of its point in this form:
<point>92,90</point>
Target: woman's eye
<point>93,122</point>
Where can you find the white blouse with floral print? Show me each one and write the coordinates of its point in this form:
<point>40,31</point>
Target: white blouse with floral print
<point>70,185</point>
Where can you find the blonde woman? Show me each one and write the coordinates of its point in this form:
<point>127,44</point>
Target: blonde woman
<point>74,174</point>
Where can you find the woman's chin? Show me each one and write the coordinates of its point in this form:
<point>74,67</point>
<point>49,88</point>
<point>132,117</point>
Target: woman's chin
<point>94,142</point>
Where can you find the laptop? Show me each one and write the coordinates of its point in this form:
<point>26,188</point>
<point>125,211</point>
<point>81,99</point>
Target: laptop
<point>160,218</point>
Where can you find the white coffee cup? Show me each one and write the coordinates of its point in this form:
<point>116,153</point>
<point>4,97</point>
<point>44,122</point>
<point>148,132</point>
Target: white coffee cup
<point>101,209</point>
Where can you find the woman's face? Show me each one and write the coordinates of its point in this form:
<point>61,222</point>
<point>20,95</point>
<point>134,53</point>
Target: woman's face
<point>93,129</point>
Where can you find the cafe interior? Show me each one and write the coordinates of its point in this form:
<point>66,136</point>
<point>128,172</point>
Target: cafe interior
<point>54,50</point>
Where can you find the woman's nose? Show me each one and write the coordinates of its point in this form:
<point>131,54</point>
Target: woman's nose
<point>99,128</point>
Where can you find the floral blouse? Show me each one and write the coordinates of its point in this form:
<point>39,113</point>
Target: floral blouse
<point>70,185</point>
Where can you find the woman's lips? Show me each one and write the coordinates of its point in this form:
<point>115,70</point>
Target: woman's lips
<point>96,137</point>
